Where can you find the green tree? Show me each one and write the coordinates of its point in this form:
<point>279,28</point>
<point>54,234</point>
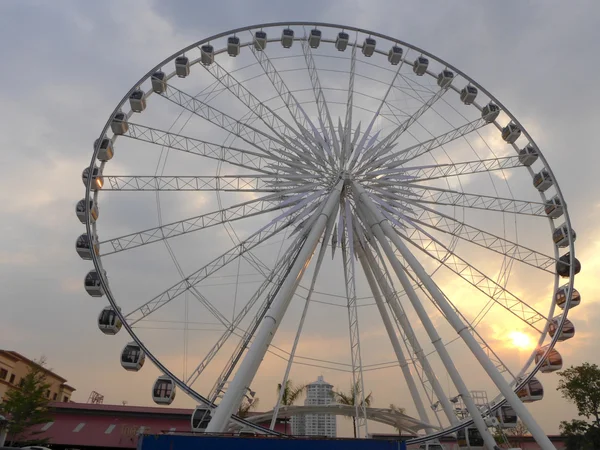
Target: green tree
<point>291,393</point>
<point>581,386</point>
<point>349,398</point>
<point>27,405</point>
<point>397,410</point>
<point>246,406</point>
<point>512,436</point>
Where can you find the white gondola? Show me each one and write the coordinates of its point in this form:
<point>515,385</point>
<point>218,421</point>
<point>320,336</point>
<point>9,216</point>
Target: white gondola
<point>528,155</point>
<point>233,45</point>
<point>560,297</point>
<point>182,66</point>
<point>468,94</point>
<point>314,38</point>
<point>560,236</point>
<point>490,112</point>
<point>568,329</point>
<point>97,178</point>
<point>163,391</point>
<point>553,207</point>
<point>368,47</point>
<point>395,55</point>
<point>420,65</point>
<point>341,41</point>
<point>551,363</point>
<point>542,180</point>
<point>247,432</point>
<point>109,322</point>
<point>92,284</point>
<point>159,82</point>
<point>469,438</point>
<point>563,265</point>
<point>511,132</point>
<point>431,446</point>
<point>444,78</point>
<point>287,37</point>
<point>137,101</point>
<point>119,123</point>
<point>200,418</point>
<point>532,391</point>
<point>207,54</point>
<point>85,248</point>
<point>132,357</point>
<point>507,417</point>
<point>106,150</point>
<point>260,40</point>
<point>80,211</point>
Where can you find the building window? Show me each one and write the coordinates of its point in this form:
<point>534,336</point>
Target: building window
<point>54,396</point>
<point>48,393</point>
<point>22,382</point>
<point>12,378</point>
<point>65,399</point>
<point>3,374</point>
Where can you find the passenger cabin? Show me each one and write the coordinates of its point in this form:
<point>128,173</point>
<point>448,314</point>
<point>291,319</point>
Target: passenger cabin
<point>105,150</point>
<point>109,322</point>
<point>163,391</point>
<point>80,210</point>
<point>84,247</point>
<point>553,207</point>
<point>200,418</point>
<point>137,101</point>
<point>563,265</point>
<point>314,38</point>
<point>445,78</point>
<point>560,236</point>
<point>560,297</point>
<point>119,123</point>
<point>368,47</point>
<point>92,284</point>
<point>468,94</point>
<point>395,55</point>
<point>247,432</point>
<point>182,66</point>
<point>287,37</point>
<point>420,65</point>
<point>532,391</point>
<point>511,132</point>
<point>233,46</point>
<point>260,40</point>
<point>132,357</point>
<point>207,54</point>
<point>469,438</point>
<point>507,417</point>
<point>528,155</point>
<point>551,363</point>
<point>97,178</point>
<point>341,41</point>
<point>490,112</point>
<point>431,446</point>
<point>159,82</point>
<point>568,329</point>
<point>542,180</point>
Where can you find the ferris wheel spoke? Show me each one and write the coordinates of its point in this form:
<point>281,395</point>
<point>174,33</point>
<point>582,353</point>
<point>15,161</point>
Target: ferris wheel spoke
<point>215,265</point>
<point>433,248</point>
<point>347,130</point>
<point>440,196</point>
<point>231,155</point>
<point>273,279</point>
<point>167,231</point>
<point>223,183</point>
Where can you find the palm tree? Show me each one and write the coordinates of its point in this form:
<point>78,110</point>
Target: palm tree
<point>246,406</point>
<point>398,410</point>
<point>349,399</point>
<point>291,393</point>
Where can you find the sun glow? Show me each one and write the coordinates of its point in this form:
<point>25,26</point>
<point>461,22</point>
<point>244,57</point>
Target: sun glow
<point>520,340</point>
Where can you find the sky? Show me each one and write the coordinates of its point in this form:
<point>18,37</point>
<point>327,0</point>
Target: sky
<point>67,64</point>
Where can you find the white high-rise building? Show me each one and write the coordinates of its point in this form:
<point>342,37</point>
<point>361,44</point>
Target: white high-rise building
<point>317,393</point>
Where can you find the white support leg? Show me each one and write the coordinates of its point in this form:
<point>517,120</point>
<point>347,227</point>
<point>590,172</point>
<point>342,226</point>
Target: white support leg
<point>409,332</point>
<point>382,229</point>
<point>249,366</point>
<point>410,381</point>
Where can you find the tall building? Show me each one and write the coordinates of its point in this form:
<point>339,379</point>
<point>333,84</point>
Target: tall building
<point>317,393</point>
<point>14,366</point>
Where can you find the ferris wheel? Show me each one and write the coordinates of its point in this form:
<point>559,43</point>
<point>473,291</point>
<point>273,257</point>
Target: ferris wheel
<point>329,181</point>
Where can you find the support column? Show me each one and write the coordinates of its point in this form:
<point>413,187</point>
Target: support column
<point>382,229</point>
<point>249,366</point>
